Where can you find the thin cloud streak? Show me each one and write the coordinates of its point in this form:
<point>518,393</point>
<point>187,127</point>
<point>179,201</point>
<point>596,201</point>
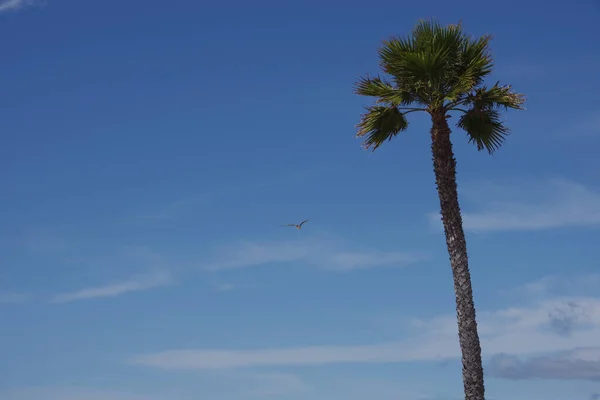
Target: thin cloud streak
<point>327,253</point>
<point>12,5</point>
<point>223,287</point>
<point>135,284</point>
<point>513,331</point>
<point>300,356</point>
<point>553,284</point>
<point>348,261</point>
<point>557,204</point>
<point>255,385</point>
<point>72,393</point>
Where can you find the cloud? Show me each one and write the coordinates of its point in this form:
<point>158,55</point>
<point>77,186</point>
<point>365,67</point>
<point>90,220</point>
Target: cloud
<point>249,254</point>
<point>542,286</point>
<point>553,204</point>
<point>553,285</point>
<point>347,261</point>
<point>299,356</point>
<point>581,363</point>
<point>223,287</point>
<point>230,286</point>
<point>11,5</point>
<point>135,284</point>
<point>326,252</point>
<point>563,320</point>
<point>72,393</point>
<point>13,297</point>
<point>511,331</point>
<point>229,385</point>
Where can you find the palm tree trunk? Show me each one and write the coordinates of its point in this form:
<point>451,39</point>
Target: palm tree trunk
<point>444,165</point>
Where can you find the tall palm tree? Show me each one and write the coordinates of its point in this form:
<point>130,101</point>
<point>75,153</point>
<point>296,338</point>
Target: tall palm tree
<point>441,70</point>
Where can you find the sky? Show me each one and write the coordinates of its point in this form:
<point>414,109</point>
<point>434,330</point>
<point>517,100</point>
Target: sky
<point>151,152</point>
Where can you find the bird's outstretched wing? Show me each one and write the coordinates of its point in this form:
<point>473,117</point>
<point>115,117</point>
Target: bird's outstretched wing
<point>289,225</point>
<point>302,223</point>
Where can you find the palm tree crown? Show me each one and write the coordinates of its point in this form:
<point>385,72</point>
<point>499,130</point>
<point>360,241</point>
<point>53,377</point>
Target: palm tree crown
<point>436,69</point>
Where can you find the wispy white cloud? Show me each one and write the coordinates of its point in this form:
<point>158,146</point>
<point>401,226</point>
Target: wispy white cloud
<point>223,287</point>
<point>551,204</point>
<point>72,393</point>
<point>249,254</point>
<point>134,284</point>
<point>557,285</point>
<point>231,384</point>
<point>551,285</point>
<point>230,286</point>
<point>351,260</point>
<point>13,297</point>
<point>11,5</point>
<point>328,252</point>
<point>514,331</point>
<point>541,286</point>
<point>298,356</point>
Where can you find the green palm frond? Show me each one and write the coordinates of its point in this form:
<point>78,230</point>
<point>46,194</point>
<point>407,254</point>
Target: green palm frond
<point>484,128</point>
<point>474,63</point>
<point>437,62</point>
<point>393,49</point>
<point>386,93</point>
<point>482,121</point>
<point>496,97</point>
<point>379,124</point>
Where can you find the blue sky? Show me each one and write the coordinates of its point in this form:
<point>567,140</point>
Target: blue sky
<point>152,150</point>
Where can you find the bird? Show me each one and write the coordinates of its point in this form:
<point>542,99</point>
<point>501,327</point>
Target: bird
<point>298,226</point>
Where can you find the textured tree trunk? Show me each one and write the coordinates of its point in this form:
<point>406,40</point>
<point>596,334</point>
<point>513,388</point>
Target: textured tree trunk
<point>444,165</point>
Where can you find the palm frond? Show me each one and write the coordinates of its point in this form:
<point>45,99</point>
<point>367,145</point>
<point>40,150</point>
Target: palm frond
<point>477,59</point>
<point>431,36</point>
<point>496,97</point>
<point>379,124</point>
<point>393,49</point>
<point>474,63</point>
<point>438,62</point>
<point>484,128</point>
<point>423,56</point>
<point>386,93</point>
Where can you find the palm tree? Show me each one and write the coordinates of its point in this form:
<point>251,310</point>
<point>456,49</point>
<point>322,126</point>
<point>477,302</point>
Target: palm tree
<point>441,70</point>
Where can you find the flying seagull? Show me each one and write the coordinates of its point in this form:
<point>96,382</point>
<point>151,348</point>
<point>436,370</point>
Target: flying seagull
<point>298,226</point>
